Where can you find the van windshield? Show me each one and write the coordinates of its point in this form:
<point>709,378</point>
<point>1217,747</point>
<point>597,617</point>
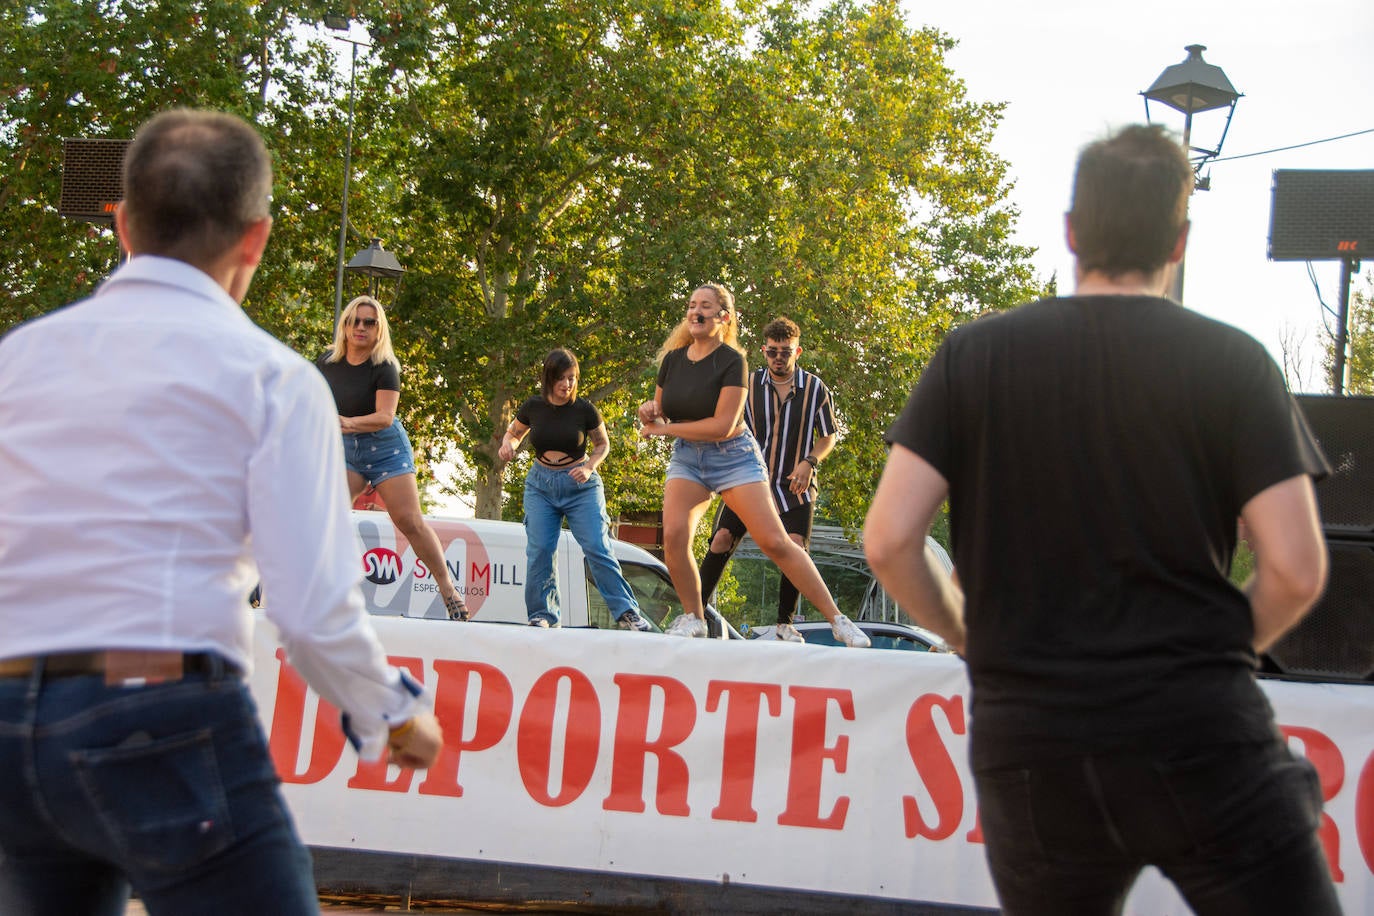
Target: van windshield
<point>653,590</point>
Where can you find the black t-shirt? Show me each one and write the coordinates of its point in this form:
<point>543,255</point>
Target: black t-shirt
<point>355,387</point>
<point>692,389</point>
<point>1098,452</point>
<point>559,427</point>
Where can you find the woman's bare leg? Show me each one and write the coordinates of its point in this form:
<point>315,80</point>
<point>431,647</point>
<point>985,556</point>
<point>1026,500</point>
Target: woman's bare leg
<point>403,505</point>
<point>753,504</point>
<point>356,486</point>
<point>684,502</point>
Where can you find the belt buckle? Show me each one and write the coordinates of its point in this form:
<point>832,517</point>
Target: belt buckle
<point>133,668</point>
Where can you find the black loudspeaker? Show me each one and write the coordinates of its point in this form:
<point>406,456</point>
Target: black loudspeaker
<point>92,178</point>
<point>1345,428</point>
<point>1321,215</point>
<point>1335,642</point>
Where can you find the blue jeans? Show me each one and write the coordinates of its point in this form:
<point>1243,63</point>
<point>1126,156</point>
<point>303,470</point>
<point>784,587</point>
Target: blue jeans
<point>1234,827</point>
<point>550,497</point>
<point>168,788</point>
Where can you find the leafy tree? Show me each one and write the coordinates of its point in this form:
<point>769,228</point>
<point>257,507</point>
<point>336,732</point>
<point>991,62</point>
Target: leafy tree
<point>87,68</point>
<point>570,171</point>
<point>556,174</point>
<point>1360,343</point>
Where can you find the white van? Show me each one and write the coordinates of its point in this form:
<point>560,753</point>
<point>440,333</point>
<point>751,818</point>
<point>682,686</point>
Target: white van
<point>486,559</point>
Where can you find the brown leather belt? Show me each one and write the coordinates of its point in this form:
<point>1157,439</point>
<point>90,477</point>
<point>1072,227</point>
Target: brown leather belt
<point>122,667</point>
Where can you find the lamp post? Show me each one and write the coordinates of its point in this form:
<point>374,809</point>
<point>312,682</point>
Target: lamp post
<point>1191,87</point>
<point>341,24</point>
<point>375,262</point>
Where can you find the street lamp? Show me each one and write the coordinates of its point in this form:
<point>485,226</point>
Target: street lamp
<point>340,23</point>
<point>1191,87</point>
<point>375,262</point>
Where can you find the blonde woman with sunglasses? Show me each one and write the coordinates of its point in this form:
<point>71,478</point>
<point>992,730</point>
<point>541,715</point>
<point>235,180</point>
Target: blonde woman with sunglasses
<point>365,376</point>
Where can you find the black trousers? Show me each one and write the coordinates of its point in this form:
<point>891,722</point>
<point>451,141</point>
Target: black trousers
<point>1233,826</point>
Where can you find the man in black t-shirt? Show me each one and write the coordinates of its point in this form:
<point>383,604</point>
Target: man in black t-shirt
<point>1096,451</point>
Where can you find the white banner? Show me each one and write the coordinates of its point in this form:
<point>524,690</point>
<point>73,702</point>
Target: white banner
<point>806,768</point>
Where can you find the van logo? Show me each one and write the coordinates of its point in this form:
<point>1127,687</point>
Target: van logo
<point>381,566</point>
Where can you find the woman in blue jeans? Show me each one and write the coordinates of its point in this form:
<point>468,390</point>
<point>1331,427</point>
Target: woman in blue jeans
<point>562,483</point>
<point>365,376</point>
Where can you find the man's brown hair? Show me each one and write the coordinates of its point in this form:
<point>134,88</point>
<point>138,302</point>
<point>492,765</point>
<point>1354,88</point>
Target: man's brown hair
<point>1130,201</point>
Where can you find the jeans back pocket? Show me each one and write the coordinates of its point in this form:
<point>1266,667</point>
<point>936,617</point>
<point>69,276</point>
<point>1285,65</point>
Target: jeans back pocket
<point>162,803</point>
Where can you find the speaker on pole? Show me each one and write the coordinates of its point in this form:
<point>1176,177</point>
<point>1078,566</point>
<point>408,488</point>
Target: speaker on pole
<point>1321,215</point>
<point>92,178</point>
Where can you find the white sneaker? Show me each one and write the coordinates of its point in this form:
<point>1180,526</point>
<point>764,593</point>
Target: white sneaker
<point>687,625</point>
<point>849,634</point>
<point>788,633</point>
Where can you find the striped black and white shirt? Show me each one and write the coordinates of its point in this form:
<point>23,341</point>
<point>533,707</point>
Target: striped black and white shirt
<point>787,429</point>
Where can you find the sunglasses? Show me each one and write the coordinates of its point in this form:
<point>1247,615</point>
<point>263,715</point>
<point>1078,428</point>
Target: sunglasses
<point>365,322</point>
<point>776,352</point>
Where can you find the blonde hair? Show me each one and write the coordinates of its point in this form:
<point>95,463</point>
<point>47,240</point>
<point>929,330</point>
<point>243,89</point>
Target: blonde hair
<point>681,335</point>
<point>381,351</point>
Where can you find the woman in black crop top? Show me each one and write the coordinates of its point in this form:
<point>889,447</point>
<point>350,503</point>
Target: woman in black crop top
<point>699,400</point>
<point>562,483</point>
<point>365,377</point>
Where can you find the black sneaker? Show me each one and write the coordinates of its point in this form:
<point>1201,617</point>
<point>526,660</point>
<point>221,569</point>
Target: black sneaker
<point>631,620</point>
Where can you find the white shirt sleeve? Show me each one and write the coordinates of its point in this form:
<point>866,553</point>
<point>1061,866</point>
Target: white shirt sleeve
<point>305,550</point>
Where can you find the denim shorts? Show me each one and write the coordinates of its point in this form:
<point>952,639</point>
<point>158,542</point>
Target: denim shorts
<point>380,455</point>
<point>719,466</point>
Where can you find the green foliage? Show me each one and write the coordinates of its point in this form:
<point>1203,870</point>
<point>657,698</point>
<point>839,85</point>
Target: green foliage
<point>1360,339</point>
<point>1243,564</point>
<point>95,68</point>
<point>582,168</point>
<point>556,174</point>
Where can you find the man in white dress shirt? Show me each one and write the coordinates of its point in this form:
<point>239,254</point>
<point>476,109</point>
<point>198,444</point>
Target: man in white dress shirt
<point>159,452</point>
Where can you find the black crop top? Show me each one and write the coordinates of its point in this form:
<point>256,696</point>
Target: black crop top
<point>692,389</point>
<point>559,427</point>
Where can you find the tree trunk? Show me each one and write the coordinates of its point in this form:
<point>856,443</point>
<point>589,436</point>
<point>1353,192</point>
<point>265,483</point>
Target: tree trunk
<point>488,494</point>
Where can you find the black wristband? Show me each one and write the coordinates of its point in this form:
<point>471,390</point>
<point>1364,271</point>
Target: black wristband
<point>811,460</point>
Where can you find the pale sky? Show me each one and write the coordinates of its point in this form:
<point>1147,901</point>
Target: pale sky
<point>1069,70</point>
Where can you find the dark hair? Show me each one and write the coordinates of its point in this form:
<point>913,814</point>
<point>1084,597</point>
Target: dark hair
<point>1130,200</point>
<point>781,328</point>
<point>557,363</point>
<point>194,181</point>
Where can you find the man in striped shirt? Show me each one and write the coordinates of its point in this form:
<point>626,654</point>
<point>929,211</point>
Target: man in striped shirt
<point>788,410</point>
